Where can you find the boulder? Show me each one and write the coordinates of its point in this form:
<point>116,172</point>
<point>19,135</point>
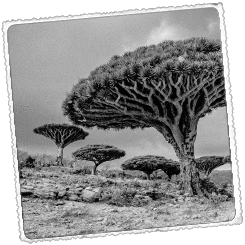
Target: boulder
<point>91,195</point>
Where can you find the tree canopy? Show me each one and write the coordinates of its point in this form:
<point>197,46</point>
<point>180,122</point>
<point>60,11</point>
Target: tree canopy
<point>62,135</point>
<point>159,84</point>
<point>149,163</point>
<point>98,154</point>
<point>207,164</point>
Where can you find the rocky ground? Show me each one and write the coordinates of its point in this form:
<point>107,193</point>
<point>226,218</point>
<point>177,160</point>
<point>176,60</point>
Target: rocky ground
<point>58,202</point>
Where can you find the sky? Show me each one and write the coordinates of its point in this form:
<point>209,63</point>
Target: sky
<point>48,58</point>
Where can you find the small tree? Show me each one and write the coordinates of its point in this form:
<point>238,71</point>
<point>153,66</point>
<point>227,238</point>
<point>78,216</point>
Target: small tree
<point>98,154</point>
<point>207,164</point>
<point>148,164</point>
<point>62,135</point>
<point>168,86</point>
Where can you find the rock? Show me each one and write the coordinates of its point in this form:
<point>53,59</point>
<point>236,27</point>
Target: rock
<point>187,194</point>
<point>78,190</point>
<point>180,192</point>
<point>27,187</point>
<point>188,199</point>
<point>25,192</point>
<point>171,205</point>
<point>100,219</point>
<point>73,197</point>
<point>59,203</point>
<point>61,193</point>
<point>196,216</point>
<point>91,195</point>
<point>180,198</point>
<point>214,215</point>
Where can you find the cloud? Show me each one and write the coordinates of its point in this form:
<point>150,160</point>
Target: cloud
<point>165,31</point>
<point>213,26</point>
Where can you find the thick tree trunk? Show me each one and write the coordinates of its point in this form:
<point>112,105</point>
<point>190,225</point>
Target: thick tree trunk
<point>60,156</point>
<point>189,176</point>
<point>183,142</point>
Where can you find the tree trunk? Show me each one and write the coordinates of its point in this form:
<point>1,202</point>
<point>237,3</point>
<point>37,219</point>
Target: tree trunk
<point>60,156</point>
<point>189,175</point>
<point>74,164</point>
<point>148,176</point>
<point>94,169</point>
<point>183,142</point>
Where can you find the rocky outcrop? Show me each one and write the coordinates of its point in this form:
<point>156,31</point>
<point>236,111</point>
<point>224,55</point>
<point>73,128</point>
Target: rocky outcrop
<point>117,192</point>
<point>49,189</point>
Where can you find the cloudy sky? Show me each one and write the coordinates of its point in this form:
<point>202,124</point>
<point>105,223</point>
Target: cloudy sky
<point>48,58</point>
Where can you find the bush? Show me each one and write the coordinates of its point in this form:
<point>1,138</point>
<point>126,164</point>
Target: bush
<point>122,197</point>
<point>45,160</point>
<point>218,198</point>
<point>209,186</point>
<point>217,194</point>
<point>83,170</point>
<point>25,160</point>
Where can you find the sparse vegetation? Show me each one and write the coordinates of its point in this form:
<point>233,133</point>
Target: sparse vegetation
<point>54,196</point>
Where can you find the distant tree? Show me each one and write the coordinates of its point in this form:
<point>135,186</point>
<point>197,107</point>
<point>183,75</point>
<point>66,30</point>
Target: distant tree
<point>207,164</point>
<point>62,135</point>
<point>168,86</point>
<point>148,164</point>
<point>98,154</point>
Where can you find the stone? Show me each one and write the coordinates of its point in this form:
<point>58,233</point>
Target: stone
<point>180,192</point>
<point>27,187</point>
<point>214,215</point>
<point>91,195</point>
<point>78,190</point>
<point>59,203</point>
<point>61,193</point>
<point>73,197</point>
<point>196,216</point>
<point>187,194</point>
<point>25,192</point>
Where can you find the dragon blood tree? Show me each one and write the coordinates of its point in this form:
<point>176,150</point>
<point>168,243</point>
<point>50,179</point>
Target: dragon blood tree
<point>62,135</point>
<point>98,154</point>
<point>207,164</point>
<point>168,86</point>
<point>148,164</point>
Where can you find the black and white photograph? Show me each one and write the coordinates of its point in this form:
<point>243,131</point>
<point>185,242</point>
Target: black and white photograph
<point>122,122</point>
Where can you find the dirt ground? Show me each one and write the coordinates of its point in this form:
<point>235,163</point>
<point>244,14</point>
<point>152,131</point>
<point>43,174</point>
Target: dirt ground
<point>43,219</point>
